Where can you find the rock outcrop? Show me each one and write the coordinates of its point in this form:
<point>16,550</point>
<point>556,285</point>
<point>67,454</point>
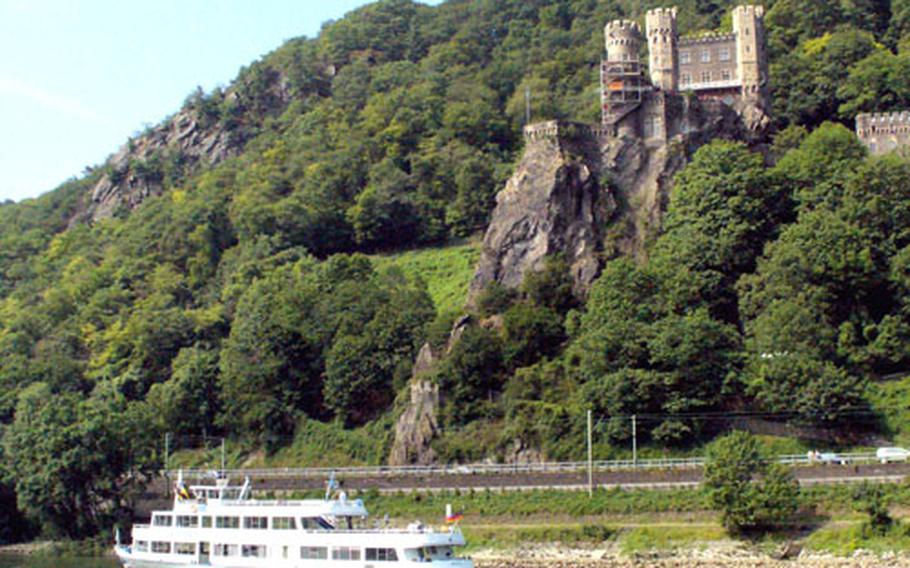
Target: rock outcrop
<point>588,193</point>
<point>137,169</point>
<point>418,425</point>
<point>554,203</point>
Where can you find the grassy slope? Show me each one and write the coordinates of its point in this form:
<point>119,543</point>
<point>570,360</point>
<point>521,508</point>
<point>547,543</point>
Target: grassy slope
<point>446,270</point>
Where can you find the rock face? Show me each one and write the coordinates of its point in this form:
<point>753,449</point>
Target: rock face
<point>552,204</point>
<point>137,168</point>
<point>589,192</point>
<point>418,425</point>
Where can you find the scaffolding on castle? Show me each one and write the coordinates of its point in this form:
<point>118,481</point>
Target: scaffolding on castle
<point>623,88</point>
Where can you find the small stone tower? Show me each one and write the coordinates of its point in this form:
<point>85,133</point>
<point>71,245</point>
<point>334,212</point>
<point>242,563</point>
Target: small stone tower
<point>663,37</point>
<point>621,76</point>
<point>749,28</point>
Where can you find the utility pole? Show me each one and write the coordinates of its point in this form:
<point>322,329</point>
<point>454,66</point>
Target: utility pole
<point>167,451</point>
<point>223,467</point>
<point>634,440</point>
<point>590,460</point>
<point>167,455</point>
<point>527,105</point>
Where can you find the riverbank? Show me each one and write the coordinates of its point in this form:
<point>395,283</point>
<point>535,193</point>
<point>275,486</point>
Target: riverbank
<point>27,548</point>
<point>700,559</point>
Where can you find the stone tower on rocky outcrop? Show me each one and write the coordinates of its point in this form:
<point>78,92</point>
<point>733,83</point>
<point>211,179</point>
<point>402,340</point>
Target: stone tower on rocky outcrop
<point>621,74</point>
<point>663,38</point>
<point>575,179</point>
<point>751,60</point>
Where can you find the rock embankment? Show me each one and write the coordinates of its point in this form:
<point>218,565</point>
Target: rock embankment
<point>703,559</point>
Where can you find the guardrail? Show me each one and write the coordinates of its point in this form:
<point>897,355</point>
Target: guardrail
<point>513,469</point>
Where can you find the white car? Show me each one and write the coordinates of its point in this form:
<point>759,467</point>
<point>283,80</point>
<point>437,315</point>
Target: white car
<point>886,455</point>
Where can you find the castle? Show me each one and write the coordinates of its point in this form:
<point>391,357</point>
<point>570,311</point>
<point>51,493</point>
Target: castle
<point>715,68</point>
<point>884,132</point>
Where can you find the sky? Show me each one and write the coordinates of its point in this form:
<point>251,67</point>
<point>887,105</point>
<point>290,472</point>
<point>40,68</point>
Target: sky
<point>78,77</point>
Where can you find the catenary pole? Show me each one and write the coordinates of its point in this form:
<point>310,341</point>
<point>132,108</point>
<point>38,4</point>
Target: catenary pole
<point>634,440</point>
<point>590,460</point>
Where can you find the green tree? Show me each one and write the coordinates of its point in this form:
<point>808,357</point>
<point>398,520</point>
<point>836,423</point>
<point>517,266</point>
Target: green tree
<point>752,494</point>
<point>76,462</point>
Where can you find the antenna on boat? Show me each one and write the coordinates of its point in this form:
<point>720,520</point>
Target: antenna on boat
<point>330,486</point>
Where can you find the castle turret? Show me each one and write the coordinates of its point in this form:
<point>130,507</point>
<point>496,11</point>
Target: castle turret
<point>623,39</point>
<point>752,63</point>
<point>621,73</point>
<point>663,37</point>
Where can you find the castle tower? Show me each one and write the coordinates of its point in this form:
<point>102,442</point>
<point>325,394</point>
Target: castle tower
<point>620,73</point>
<point>663,37</point>
<point>752,63</point>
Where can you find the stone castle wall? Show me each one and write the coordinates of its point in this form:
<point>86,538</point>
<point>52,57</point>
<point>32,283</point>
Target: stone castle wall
<point>884,132</point>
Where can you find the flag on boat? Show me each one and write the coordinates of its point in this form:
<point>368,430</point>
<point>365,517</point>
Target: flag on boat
<point>182,491</point>
<point>454,517</point>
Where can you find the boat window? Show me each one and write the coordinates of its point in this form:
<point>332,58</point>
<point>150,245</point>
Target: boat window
<point>381,555</point>
<point>188,548</point>
<point>283,523</point>
<point>187,521</point>
<point>162,520</point>
<point>314,553</point>
<point>226,550</point>
<point>161,547</point>
<point>227,522</point>
<point>345,553</point>
<point>315,523</point>
<point>253,551</point>
<point>255,522</point>
<point>231,494</point>
<point>206,522</point>
<point>142,546</point>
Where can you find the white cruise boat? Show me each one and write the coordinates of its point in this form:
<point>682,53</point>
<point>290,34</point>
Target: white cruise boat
<point>219,525</point>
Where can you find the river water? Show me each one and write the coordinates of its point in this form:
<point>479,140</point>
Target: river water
<point>32,562</point>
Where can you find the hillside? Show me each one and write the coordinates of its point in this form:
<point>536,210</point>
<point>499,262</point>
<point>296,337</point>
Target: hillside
<point>266,264</point>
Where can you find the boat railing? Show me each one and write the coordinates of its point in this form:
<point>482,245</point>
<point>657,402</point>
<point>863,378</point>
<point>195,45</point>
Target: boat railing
<point>415,530</point>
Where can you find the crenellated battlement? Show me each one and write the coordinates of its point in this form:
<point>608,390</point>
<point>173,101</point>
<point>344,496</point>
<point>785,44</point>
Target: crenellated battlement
<point>883,132</point>
<point>564,129</point>
<point>749,11</point>
<point>661,21</point>
<point>707,38</point>
<point>622,26</point>
<point>884,119</point>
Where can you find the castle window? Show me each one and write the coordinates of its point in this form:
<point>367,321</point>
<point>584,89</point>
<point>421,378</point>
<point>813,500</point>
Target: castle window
<point>684,57</point>
<point>705,56</point>
<point>724,54</point>
<point>705,76</point>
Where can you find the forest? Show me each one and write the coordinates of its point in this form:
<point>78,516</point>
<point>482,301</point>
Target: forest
<point>248,300</point>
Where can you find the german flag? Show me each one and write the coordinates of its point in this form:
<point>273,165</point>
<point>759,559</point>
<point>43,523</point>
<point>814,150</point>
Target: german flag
<point>454,517</point>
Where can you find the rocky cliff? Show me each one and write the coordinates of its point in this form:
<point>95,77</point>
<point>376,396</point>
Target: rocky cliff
<point>586,194</point>
<point>137,170</point>
<point>418,425</point>
<point>554,203</point>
